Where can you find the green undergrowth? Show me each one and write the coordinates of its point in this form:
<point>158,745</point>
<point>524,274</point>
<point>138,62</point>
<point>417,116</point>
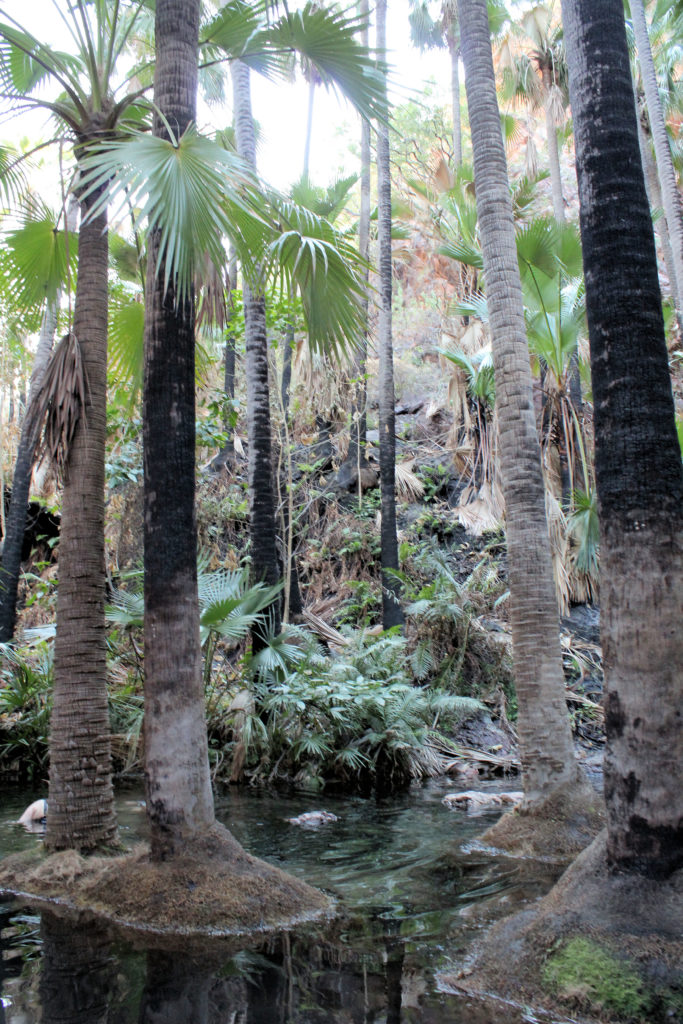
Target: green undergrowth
<point>354,720</point>
<point>591,978</point>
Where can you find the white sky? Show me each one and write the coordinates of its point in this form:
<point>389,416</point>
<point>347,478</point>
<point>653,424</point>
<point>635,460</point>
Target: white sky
<point>280,109</point>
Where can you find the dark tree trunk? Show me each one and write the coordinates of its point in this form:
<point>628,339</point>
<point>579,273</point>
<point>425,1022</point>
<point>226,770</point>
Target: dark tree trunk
<point>226,456</point>
<point>179,798</point>
<point>392,613</point>
<point>637,458</point>
<point>21,483</point>
<point>264,560</point>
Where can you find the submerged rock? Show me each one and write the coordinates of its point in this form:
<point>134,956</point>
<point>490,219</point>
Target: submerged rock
<point>312,819</point>
<point>477,803</point>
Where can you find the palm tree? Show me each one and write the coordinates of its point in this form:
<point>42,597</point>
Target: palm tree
<point>178,782</point>
<point>428,33</point>
<point>550,770</point>
<point>540,79</point>
<point>90,107</point>
<point>392,614</point>
<point>639,473</point>
<point>264,561</point>
<point>667,176</point>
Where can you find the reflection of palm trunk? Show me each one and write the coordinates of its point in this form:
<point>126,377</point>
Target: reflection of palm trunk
<point>395,948</point>
<point>78,972</point>
<point>176,990</point>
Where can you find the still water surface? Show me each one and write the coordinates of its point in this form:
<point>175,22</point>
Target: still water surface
<point>413,895</point>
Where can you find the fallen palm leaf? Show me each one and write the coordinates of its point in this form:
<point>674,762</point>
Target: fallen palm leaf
<point>408,484</point>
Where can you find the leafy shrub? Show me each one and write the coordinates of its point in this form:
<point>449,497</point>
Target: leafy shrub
<point>353,720</point>
<point>25,706</point>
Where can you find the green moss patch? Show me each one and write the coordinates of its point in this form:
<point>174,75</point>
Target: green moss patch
<point>592,978</point>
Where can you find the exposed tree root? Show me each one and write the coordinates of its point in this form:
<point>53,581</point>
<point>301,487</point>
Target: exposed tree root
<point>555,830</point>
<point>214,889</point>
<point>608,946</point>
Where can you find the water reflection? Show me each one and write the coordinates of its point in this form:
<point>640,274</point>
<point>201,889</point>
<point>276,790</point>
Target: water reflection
<point>412,902</point>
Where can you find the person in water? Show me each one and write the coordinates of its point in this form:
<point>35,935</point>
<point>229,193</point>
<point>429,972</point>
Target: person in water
<point>37,811</point>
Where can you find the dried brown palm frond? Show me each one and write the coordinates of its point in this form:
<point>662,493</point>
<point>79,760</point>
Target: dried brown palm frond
<point>59,404</point>
<point>480,509</point>
<point>559,549</point>
<point>409,487</point>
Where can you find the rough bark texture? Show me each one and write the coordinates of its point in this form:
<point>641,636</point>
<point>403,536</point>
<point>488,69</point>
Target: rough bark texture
<point>671,199</point>
<point>637,458</point>
<point>264,560</point>
<point>81,795</point>
<point>545,737</point>
<point>21,484</point>
<point>179,798</point>
<point>392,614</point>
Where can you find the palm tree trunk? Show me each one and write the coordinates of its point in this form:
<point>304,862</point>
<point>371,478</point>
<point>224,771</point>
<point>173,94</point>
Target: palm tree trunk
<point>179,798</point>
<point>309,127</point>
<point>392,614</point>
<point>264,564</point>
<point>545,737</point>
<point>667,174</point>
<point>638,466</point>
<point>654,195</point>
<point>359,422</point>
<point>21,483</point>
<point>81,796</point>
<point>553,150</point>
<point>454,51</point>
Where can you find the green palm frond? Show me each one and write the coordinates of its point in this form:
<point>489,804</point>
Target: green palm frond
<point>537,246</point>
<point>461,251</point>
<point>38,261</point>
<point>12,175</point>
<point>177,188</point>
<point>310,256</point>
<point>126,609</point>
<point>583,528</point>
<point>328,39</point>
<point>476,305</point>
<point>126,342</point>
<point>229,607</point>
<point>239,30</point>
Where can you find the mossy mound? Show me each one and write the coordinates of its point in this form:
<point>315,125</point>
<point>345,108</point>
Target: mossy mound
<point>556,830</point>
<point>214,889</point>
<point>608,946</point>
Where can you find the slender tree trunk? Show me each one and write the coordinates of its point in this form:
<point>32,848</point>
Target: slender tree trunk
<point>637,459</point>
<point>21,483</point>
<point>309,127</point>
<point>553,150</point>
<point>454,51</point>
<point>545,737</point>
<point>392,614</point>
<point>667,175</point>
<point>179,798</point>
<point>81,797</point>
<point>654,195</point>
<point>359,421</point>
<point>226,456</point>
<point>264,563</point>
